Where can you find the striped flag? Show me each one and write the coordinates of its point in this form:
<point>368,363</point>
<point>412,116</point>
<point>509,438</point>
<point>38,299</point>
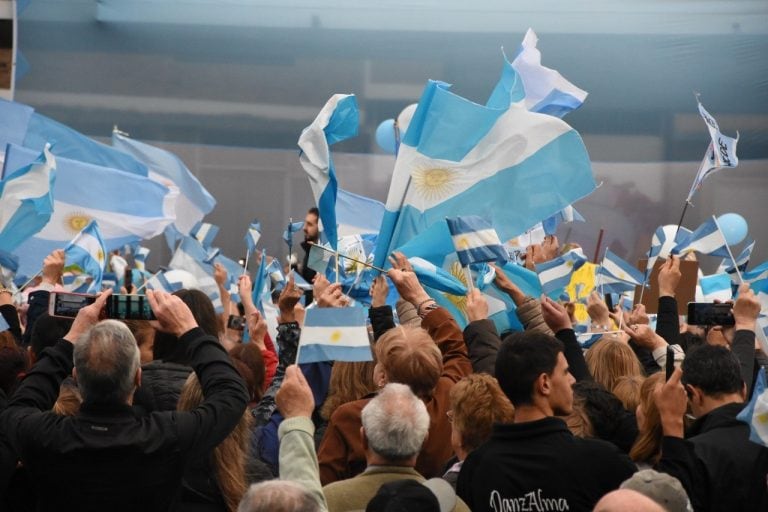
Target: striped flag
<point>140,258</point>
<point>435,277</point>
<point>663,241</point>
<point>475,240</point>
<point>253,235</point>
<point>86,254</point>
<point>715,287</point>
<point>555,275</point>
<point>707,239</point>
<point>204,233</point>
<point>742,260</point>
<point>160,282</point>
<point>334,334</point>
<point>616,275</point>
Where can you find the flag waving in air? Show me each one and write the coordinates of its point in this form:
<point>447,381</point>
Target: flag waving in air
<point>616,275</point>
<point>337,121</point>
<point>334,334</point>
<point>475,240</point>
<point>86,254</point>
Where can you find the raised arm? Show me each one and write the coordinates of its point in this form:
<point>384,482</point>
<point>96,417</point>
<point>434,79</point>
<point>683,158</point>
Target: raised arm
<point>667,319</point>
<point>746,309</point>
<point>559,321</point>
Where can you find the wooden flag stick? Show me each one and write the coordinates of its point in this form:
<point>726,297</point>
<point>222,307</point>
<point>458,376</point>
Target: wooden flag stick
<point>350,259</point>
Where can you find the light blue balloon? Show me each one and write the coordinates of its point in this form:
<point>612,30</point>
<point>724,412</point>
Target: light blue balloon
<point>733,226</point>
<point>385,136</point>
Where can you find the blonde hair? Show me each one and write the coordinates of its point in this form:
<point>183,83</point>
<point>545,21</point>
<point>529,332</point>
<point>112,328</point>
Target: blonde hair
<point>477,402</point>
<point>608,360</point>
<point>647,447</point>
<point>578,421</point>
<point>349,382</point>
<point>408,355</point>
<point>231,455</point>
<point>627,389</point>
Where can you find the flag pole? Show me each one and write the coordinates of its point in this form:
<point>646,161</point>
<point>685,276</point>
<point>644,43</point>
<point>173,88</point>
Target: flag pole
<point>682,216</point>
<point>468,273</point>
<point>599,243</point>
<point>247,256</point>
<point>146,282</point>
<point>365,264</point>
<point>30,280</point>
<point>290,244</point>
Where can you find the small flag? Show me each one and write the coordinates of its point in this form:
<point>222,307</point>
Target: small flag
<point>189,256</point>
<point>319,259</point>
<point>758,273</point>
<point>755,414</point>
<point>275,273</point>
<point>707,239</point>
<point>720,154</point>
<point>742,260</point>
<point>204,233</point>
<point>334,334</point>
<point>556,274</point>
<point>616,275</point>
<point>211,254</point>
<point>260,287</point>
<point>140,258</point>
<point>435,277</point>
<point>160,282</point>
<point>663,241</point>
<point>587,339</point>
<point>86,254</point>
<point>299,282</point>
<point>253,235</point>
<point>715,287</point>
<point>26,201</point>
<point>118,264</point>
<point>475,240</point>
<point>292,228</point>
<point>567,214</point>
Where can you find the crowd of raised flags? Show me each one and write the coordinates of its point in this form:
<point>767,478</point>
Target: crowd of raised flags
<point>460,197</point>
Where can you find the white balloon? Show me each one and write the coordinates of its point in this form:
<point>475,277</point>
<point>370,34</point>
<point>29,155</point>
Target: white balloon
<point>404,119</point>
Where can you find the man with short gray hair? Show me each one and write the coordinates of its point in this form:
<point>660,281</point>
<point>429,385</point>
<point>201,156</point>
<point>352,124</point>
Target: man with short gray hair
<point>107,457</point>
<point>395,425</point>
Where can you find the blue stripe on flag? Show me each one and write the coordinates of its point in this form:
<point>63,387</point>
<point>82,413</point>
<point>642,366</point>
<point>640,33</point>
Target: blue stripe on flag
<point>316,352</point>
<point>335,317</point>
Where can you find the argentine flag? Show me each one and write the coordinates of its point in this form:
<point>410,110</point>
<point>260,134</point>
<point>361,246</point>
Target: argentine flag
<point>707,239</point>
<point>715,287</point>
<point>22,126</point>
<point>293,227</point>
<point>127,207</point>
<point>546,91</point>
<point>436,278</point>
<point>742,260</point>
<point>555,274</point>
<point>334,334</point>
<point>567,214</point>
<point>161,283</point>
<point>194,201</point>
<point>190,256</point>
<point>664,239</point>
<point>204,233</point>
<point>616,275</point>
<point>26,202</point>
<point>252,236</point>
<point>475,240</point>
<point>337,121</point>
<point>498,161</point>
<point>755,414</point>
<point>357,215</point>
<point>86,254</point>
<point>140,258</point>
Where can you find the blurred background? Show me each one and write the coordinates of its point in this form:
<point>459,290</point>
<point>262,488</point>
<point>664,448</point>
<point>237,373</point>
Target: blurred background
<point>228,85</point>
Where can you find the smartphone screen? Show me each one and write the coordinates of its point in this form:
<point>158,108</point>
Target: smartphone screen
<point>68,304</point>
<point>707,313</point>
<point>670,366</point>
<point>129,307</point>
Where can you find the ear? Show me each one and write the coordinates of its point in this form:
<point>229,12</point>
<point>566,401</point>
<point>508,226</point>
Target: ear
<point>694,394</point>
<point>74,373</point>
<point>364,439</point>
<point>744,391</point>
<point>137,378</point>
<point>543,385</point>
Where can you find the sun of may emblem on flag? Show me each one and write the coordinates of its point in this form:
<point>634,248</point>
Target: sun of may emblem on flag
<point>75,222</point>
<point>336,336</point>
<point>433,182</point>
<point>460,301</point>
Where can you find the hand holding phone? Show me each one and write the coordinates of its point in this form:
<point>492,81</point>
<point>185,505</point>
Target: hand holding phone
<point>710,313</point>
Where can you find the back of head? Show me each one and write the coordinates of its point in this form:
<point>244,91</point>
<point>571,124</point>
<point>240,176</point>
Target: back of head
<point>277,496</point>
<point>349,381</point>
<point>477,402</point>
<point>713,369</point>
<point>403,496</point>
<point>106,360</point>
<point>610,359</point>
<point>47,331</point>
<point>627,389</point>
<point>396,423</point>
<point>13,362</point>
<point>250,356</point>
<point>607,416</point>
<point>662,488</point>
<point>204,313</point>
<point>409,356</point>
<point>627,500</point>
<point>522,358</point>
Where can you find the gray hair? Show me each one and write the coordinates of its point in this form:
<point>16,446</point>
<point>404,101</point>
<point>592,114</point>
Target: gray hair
<point>277,496</point>
<point>396,423</point>
<point>106,359</point>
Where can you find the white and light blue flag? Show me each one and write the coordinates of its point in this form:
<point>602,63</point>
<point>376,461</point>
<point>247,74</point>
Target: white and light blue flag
<point>715,287</point>
<point>334,334</point>
<point>720,154</point>
<point>337,121</point>
<point>204,233</point>
<point>742,260</point>
<point>755,414</point>
<point>758,273</point>
<point>498,161</point>
<point>3,324</point>
<point>357,215</point>
<point>260,283</point>
<point>22,126</point>
<point>234,271</point>
<point>706,239</point>
<point>293,227</point>
<point>140,258</point>
<point>546,91</point>
<point>664,239</point>
<point>319,259</point>
<point>567,214</point>
<point>555,274</point>
<point>475,240</point>
<point>86,254</point>
<point>128,207</point>
<point>159,282</point>
<point>194,201</point>
<point>26,201</point>
<point>190,256</point>
<point>614,275</point>
<point>253,235</point>
<point>436,278</point>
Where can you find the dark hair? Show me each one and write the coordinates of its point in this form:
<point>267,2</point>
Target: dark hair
<point>314,211</point>
<point>522,358</point>
<point>202,309</point>
<point>13,362</point>
<point>253,370</point>
<point>713,369</point>
<point>47,331</point>
<point>610,421</point>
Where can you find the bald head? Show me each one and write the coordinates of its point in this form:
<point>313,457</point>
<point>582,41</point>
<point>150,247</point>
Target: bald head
<point>626,500</point>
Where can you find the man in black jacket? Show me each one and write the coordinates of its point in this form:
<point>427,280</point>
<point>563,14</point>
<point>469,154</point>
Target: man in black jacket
<point>536,463</point>
<point>107,457</point>
<point>720,468</point>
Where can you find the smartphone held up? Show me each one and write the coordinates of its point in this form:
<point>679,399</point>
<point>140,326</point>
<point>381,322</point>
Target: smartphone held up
<point>119,307</point>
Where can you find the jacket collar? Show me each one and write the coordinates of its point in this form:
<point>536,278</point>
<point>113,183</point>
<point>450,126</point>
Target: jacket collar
<point>722,417</point>
<point>530,429</point>
<point>104,412</point>
<point>406,470</point>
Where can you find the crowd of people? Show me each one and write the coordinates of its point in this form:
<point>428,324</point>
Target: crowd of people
<point>181,414</point>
